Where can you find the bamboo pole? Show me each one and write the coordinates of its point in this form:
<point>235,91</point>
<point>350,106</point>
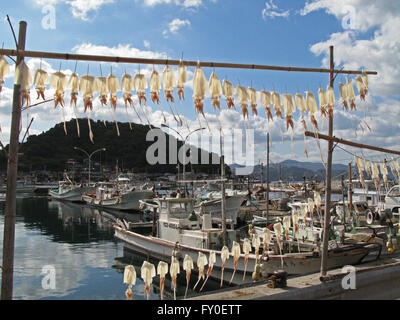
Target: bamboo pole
<point>350,143</point>
<point>328,188</point>
<point>97,58</point>
<point>12,170</point>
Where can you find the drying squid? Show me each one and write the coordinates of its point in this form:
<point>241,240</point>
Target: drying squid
<point>201,263</point>
<point>323,103</point>
<point>289,107</point>
<point>295,220</point>
<point>266,240</point>
<point>174,270</point>
<point>351,94</point>
<point>384,172</point>
<point>256,243</point>
<point>361,168</point>
<point>182,79</point>
<point>266,101</point>
<point>362,90</point>
<point>40,79</point>
<point>365,80</point>
<point>330,99</point>
<point>155,87</point>
<point>73,85</point>
<point>212,259</point>
<point>286,226</point>
<point>304,211</point>
<point>24,79</point>
<point>140,85</point>
<point>215,91</point>
<point>169,84</point>
<point>253,100</point>
<point>397,167</point>
<point>130,280</point>
<point>127,86</point>
<point>229,91</point>
<point>58,82</point>
<point>277,103</point>
<point>278,229</point>
<point>311,206</point>
<point>312,108</point>
<point>162,270</point>
<point>318,202</point>
<point>87,87</point>
<point>101,85</point>
<point>302,106</point>
<point>113,86</point>
<point>246,251</point>
<point>187,266</point>
<point>148,272</point>
<point>4,70</point>
<point>200,88</point>
<point>236,256</point>
<point>368,167</point>
<point>224,257</point>
<point>375,174</point>
<point>243,98</point>
<point>344,95</point>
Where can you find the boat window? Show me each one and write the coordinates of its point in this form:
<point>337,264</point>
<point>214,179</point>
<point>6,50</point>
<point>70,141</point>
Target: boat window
<point>395,192</point>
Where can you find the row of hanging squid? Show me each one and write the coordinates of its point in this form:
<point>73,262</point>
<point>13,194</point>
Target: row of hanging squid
<point>281,230</point>
<point>375,169</point>
<point>107,88</point>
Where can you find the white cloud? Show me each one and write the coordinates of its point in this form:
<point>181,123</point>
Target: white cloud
<point>271,10</point>
<point>175,25</point>
<point>182,3</point>
<point>81,8</point>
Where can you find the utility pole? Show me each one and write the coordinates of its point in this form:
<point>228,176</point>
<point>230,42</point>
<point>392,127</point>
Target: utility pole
<point>328,188</point>
<point>12,171</point>
<point>223,201</point>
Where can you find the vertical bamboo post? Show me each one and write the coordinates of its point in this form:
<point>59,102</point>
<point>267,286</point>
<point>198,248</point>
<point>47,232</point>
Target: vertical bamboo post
<point>223,201</point>
<point>12,171</point>
<point>350,190</point>
<point>328,188</point>
<point>267,175</point>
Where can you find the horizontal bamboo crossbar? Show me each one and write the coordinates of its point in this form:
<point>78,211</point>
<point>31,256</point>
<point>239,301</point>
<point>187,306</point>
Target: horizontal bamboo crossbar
<point>82,57</point>
<point>349,143</point>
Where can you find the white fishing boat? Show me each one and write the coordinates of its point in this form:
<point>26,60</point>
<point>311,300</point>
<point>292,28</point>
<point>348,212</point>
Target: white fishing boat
<point>68,191</point>
<point>109,196</point>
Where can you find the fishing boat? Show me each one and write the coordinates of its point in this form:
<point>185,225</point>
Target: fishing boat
<point>108,195</point>
<point>69,191</point>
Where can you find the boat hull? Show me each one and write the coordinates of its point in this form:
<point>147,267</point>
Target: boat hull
<point>74,195</point>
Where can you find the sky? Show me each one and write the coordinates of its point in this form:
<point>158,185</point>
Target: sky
<point>364,34</point>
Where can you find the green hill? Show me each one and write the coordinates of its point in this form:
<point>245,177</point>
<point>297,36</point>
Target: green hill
<point>51,150</point>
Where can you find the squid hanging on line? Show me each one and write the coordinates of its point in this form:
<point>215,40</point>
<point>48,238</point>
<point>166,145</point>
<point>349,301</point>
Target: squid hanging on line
<point>101,85</point>
<point>4,70</point>
<point>236,256</point>
<point>375,174</point>
<point>290,108</point>
<point>87,87</point>
<point>344,96</point>
<point>278,229</point>
<point>215,91</point>
<point>58,81</point>
<point>397,167</point>
<point>148,272</point>
<point>224,257</point>
<point>174,270</point>
<point>384,172</point>
<point>266,102</point>
<point>155,87</point>
<point>253,100</point>
<point>323,103</point>
<point>130,280</point>
<point>312,108</point>
<point>318,203</point>
<point>286,226</point>
<point>40,79</point>
<point>246,251</point>
<point>302,106</point>
<point>362,89</point>
<point>24,79</point>
<point>243,98</point>
<point>368,167</point>
<point>351,94</point>
<point>228,91</point>
<point>295,220</point>
<point>162,270</point>
<point>127,86</point>
<point>182,79</point>
<point>140,85</point>
<point>169,84</point>
<point>187,266</point>
<point>330,99</point>
<point>361,168</point>
<point>200,89</point>
<point>73,85</point>
<point>212,259</point>
<point>201,263</point>
<point>311,206</point>
<point>277,103</point>
<point>113,87</point>
<point>267,236</point>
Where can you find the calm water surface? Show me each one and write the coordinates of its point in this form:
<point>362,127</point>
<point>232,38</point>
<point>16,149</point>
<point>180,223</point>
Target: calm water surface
<point>79,243</point>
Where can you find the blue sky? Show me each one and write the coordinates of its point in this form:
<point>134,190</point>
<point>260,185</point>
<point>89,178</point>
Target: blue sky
<point>286,33</point>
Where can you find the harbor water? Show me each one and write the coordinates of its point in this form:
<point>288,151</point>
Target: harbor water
<point>76,245</point>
